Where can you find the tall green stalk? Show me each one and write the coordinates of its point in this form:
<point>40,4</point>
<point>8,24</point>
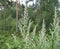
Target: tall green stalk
<point>55,29</point>
<point>25,17</point>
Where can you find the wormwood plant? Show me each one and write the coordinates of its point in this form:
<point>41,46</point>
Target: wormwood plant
<point>55,32</point>
<point>43,40</point>
<point>32,40</point>
<point>27,36</point>
<point>25,17</point>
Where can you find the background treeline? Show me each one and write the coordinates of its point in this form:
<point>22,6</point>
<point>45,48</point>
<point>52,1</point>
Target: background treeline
<point>37,12</point>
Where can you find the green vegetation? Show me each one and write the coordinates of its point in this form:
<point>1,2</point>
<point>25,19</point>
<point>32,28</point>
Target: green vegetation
<point>38,26</point>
